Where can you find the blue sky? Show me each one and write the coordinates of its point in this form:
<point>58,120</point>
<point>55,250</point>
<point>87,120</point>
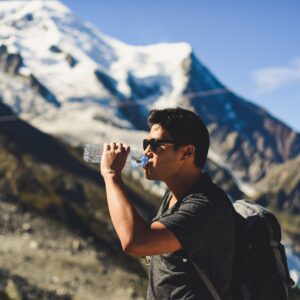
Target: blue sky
<point>253,47</point>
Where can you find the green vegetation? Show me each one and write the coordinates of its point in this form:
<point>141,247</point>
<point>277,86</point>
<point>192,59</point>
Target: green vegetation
<point>294,294</point>
<point>289,223</point>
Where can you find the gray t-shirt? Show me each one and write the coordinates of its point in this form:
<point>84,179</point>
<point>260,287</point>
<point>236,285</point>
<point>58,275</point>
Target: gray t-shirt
<point>203,222</point>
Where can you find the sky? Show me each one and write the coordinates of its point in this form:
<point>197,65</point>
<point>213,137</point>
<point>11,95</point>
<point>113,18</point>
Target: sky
<point>252,47</point>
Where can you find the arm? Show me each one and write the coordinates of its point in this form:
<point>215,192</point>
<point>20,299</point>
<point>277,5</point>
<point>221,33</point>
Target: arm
<point>137,238</point>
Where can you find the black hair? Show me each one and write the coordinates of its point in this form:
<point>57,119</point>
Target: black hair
<point>184,127</point>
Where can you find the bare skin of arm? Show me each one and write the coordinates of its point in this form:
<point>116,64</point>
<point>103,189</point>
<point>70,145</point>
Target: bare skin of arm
<point>137,238</point>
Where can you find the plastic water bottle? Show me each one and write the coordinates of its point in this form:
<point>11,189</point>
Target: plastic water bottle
<point>92,153</point>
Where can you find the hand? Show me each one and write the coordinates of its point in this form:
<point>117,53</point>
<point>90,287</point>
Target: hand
<point>113,158</point>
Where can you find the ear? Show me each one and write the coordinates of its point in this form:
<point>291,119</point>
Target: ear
<point>189,150</point>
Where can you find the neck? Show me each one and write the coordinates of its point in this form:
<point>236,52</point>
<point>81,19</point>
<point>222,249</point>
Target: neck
<point>181,184</point>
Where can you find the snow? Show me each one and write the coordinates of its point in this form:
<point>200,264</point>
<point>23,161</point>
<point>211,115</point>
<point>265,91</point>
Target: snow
<point>52,24</point>
<point>87,123</point>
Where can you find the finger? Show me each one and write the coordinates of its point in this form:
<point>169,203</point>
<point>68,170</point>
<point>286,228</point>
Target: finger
<point>106,147</point>
<point>114,145</point>
<point>127,148</point>
<point>120,146</point>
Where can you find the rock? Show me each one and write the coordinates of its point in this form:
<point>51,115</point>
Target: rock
<point>62,292</point>
<point>26,235</point>
<point>131,292</point>
<point>77,245</point>
<point>12,291</point>
<point>33,245</point>
<point>27,258</point>
<point>55,279</point>
<point>55,49</point>
<point>27,216</point>
<point>6,217</point>
<point>26,227</point>
<point>71,60</point>
<point>12,209</point>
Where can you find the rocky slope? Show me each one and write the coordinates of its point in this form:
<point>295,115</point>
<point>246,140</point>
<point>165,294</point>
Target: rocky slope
<point>42,259</point>
<point>40,175</point>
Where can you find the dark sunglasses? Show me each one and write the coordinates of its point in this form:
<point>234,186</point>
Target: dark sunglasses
<point>155,143</point>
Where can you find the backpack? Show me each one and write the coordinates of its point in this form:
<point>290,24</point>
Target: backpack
<point>260,270</point>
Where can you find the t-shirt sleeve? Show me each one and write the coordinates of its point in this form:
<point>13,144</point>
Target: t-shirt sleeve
<point>193,223</point>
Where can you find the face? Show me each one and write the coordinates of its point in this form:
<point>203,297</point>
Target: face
<point>164,161</point>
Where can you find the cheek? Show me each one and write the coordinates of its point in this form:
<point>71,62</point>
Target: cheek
<point>164,168</point>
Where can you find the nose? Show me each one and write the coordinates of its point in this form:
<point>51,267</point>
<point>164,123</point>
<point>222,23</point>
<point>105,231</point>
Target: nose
<point>147,150</point>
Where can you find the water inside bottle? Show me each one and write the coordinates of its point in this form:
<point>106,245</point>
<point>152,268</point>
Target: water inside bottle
<point>92,153</point>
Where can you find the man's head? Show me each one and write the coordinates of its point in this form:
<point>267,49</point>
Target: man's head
<point>185,127</point>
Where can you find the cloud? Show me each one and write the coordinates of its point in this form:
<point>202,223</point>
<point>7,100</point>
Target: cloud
<point>272,78</point>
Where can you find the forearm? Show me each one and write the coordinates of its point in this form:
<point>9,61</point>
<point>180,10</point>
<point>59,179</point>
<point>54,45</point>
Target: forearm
<point>127,222</point>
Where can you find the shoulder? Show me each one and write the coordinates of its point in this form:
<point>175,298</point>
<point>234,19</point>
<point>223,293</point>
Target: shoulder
<point>214,204</point>
<point>197,205</point>
<point>197,200</point>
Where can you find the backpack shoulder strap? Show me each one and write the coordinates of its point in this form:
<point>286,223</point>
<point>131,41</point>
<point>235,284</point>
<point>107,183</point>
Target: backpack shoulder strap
<point>275,245</point>
<point>207,282</point>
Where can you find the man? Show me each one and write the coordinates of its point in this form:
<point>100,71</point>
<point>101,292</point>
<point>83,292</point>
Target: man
<point>194,227</point>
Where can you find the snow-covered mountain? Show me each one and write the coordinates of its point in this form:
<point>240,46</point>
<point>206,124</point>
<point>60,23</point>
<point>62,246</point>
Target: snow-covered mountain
<point>69,79</point>
<point>74,62</point>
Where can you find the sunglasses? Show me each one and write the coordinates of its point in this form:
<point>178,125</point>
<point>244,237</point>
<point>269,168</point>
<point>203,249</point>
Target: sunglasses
<point>155,143</point>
